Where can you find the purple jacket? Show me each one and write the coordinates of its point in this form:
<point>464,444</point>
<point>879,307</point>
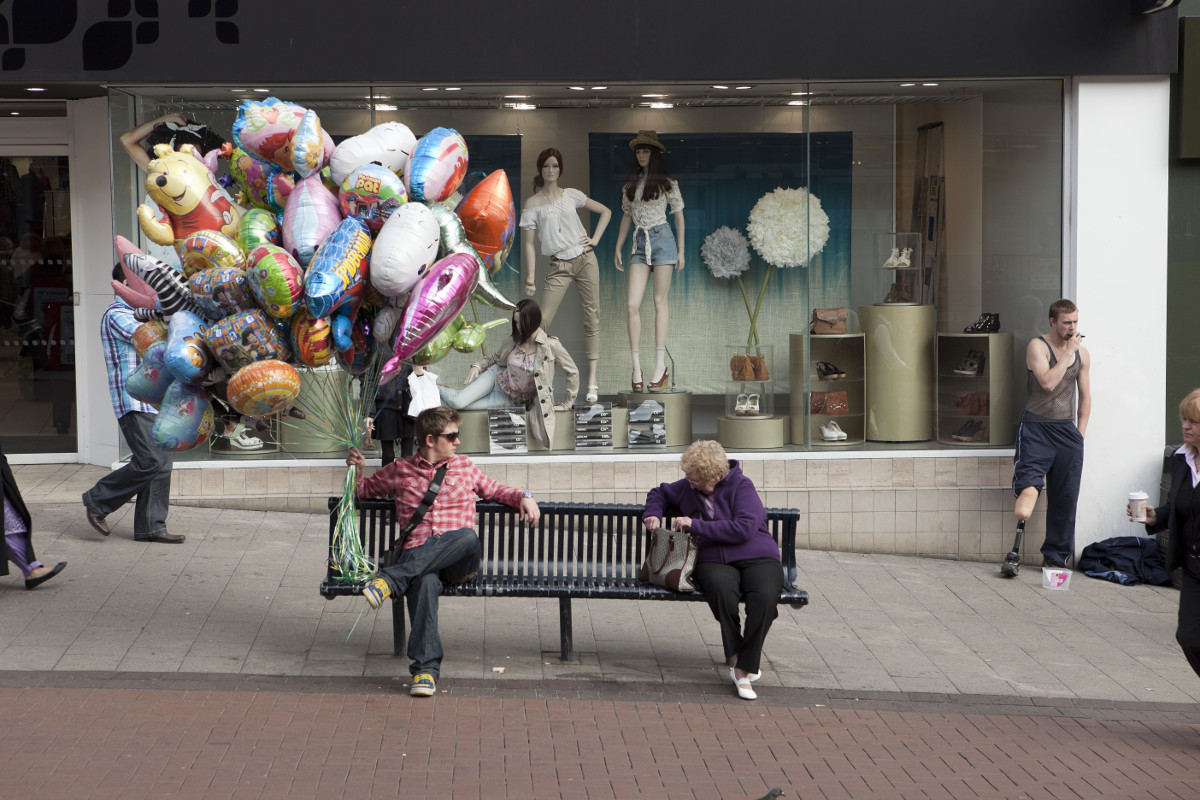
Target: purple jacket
<point>737,529</point>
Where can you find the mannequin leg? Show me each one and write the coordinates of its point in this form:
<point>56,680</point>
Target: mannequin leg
<point>635,288</point>
<point>662,288</point>
<point>587,283</point>
<point>479,393</point>
<point>593,365</point>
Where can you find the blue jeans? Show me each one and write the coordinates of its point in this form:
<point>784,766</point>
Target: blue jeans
<point>418,576</point>
<point>147,475</point>
<point>483,392</point>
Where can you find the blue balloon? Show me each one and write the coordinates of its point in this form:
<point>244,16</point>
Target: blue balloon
<point>334,278</point>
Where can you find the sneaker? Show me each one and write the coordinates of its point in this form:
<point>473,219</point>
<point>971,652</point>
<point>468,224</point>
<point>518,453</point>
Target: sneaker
<point>376,591</point>
<point>423,685</point>
<point>242,440</point>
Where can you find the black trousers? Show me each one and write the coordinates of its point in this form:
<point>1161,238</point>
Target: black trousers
<point>760,581</point>
<point>1188,631</point>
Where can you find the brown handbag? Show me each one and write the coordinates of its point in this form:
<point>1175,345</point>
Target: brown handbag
<point>816,402</point>
<point>828,320</point>
<point>759,365</point>
<point>741,368</point>
<point>836,404</point>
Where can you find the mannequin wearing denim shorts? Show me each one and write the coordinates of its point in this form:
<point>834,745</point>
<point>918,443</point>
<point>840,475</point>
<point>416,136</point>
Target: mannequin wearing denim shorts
<point>648,192</point>
<point>551,216</point>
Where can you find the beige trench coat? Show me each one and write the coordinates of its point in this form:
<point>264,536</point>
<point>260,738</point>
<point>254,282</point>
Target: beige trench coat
<point>549,353</point>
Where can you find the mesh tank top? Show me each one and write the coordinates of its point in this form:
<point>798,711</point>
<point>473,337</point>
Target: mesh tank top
<point>1056,405</point>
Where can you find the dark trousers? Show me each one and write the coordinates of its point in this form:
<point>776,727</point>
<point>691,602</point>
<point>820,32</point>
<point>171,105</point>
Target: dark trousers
<point>760,581</point>
<point>1055,450</point>
<point>1188,631</point>
<point>147,475</point>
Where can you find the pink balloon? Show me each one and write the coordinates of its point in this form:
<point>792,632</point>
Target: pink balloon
<point>435,301</point>
<point>134,291</point>
<point>312,213</point>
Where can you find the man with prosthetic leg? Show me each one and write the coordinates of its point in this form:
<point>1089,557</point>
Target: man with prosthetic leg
<point>1050,436</point>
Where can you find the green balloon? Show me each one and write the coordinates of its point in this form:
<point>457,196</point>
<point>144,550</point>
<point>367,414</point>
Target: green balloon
<point>473,334</point>
<point>437,347</point>
<point>258,227</point>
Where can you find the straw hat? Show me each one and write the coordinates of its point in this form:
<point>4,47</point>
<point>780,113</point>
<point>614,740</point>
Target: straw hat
<point>646,139</point>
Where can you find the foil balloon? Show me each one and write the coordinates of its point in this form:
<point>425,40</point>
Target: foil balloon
<point>371,193</point>
<point>489,218</point>
<point>405,248</point>
<point>386,317</point>
<point>258,227</point>
<point>206,249</point>
<point>389,144</point>
<point>244,338</point>
<point>187,198</point>
<point>308,145</point>
<point>472,334</point>
<point>435,301</point>
<point>187,356</point>
<point>148,383</point>
<point>334,278</point>
<point>454,240</point>
<point>276,281</point>
<point>264,128</point>
<point>312,339</point>
<point>263,388</point>
<point>185,418</point>
<point>437,166</point>
<point>168,283</point>
<point>312,213</point>
<point>355,357</point>
<point>221,291</point>
<point>134,291</point>
<point>253,179</point>
<point>436,348</point>
<point>147,334</point>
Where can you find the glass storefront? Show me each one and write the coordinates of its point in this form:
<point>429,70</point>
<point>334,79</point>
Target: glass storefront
<point>926,209</point>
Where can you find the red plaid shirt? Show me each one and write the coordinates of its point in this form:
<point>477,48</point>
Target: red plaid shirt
<point>409,479</point>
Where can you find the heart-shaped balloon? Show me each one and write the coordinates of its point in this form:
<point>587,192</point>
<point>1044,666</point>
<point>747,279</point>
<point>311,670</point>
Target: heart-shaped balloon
<point>150,381</point>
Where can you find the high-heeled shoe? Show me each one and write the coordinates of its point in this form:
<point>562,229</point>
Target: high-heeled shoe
<point>752,405</point>
<point>638,386</point>
<point>739,408</point>
<point>660,384</point>
<point>892,259</point>
<point>905,259</point>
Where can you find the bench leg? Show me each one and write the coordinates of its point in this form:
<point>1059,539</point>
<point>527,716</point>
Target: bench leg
<point>564,628</point>
<point>397,626</point>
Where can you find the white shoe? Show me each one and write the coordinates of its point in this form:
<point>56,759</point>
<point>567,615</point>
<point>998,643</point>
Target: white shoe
<point>744,690</point>
<point>893,258</point>
<point>905,259</point>
<point>827,433</point>
<point>242,440</point>
<point>836,430</point>
<point>593,394</point>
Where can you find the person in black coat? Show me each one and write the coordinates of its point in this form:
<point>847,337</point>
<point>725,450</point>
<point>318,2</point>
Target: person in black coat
<point>18,546</point>
<point>1181,517</point>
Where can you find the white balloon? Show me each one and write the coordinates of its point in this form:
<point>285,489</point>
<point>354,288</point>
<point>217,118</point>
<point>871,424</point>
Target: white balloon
<point>405,248</point>
<point>389,143</point>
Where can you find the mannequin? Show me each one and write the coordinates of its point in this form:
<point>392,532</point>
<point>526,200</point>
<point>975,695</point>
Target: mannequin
<point>648,191</point>
<point>521,373</point>
<point>550,215</point>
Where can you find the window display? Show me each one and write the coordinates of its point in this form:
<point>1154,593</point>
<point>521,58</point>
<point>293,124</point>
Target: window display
<point>834,206</point>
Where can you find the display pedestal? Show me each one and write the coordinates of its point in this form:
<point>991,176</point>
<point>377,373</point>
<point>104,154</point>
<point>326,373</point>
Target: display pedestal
<point>846,352</point>
<point>270,440</point>
<point>975,405</point>
<point>900,372</point>
<point>748,433</point>
<point>473,432</point>
<point>317,386</point>
<point>564,433</point>
<point>677,411</point>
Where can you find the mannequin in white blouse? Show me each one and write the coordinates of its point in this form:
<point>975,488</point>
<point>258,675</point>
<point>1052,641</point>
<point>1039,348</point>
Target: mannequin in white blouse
<point>646,196</point>
<point>551,215</point>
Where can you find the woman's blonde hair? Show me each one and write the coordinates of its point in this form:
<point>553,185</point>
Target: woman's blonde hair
<point>1190,407</point>
<point>707,460</point>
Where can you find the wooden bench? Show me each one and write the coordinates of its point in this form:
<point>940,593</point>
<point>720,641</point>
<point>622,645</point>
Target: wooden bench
<point>586,550</point>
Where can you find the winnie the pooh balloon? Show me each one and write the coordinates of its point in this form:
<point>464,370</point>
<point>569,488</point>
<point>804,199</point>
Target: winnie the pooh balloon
<point>187,198</point>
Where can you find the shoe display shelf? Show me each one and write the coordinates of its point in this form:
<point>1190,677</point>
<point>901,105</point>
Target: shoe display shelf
<point>898,258</point>
<point>749,422</point>
<point>647,417</point>
<point>593,427</point>
<point>834,363</point>
<point>974,389</point>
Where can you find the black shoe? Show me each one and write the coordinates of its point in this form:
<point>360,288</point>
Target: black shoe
<point>1053,563</point>
<point>993,323</point>
<point>165,538</point>
<point>39,580</point>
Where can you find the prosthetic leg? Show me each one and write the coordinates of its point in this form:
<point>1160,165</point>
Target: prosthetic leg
<point>1023,510</point>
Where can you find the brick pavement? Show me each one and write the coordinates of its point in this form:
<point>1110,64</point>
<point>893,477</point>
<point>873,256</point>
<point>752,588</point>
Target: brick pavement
<point>132,736</point>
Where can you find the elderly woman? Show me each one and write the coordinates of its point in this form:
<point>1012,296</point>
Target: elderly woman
<point>1181,516</point>
<point>737,558</point>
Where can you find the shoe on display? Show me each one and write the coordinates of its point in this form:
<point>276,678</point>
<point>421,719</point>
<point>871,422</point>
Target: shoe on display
<point>645,411</point>
<point>829,372</point>
<point>972,365</point>
<point>828,433</point>
<point>836,430</point>
<point>242,440</point>
<point>973,431</point>
<point>905,259</point>
<point>993,323</point>
<point>739,408</point>
<point>987,323</point>
<point>892,259</point>
<point>752,408</point>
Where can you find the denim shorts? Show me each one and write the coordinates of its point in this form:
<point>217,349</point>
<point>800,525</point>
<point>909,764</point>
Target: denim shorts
<point>662,246</point>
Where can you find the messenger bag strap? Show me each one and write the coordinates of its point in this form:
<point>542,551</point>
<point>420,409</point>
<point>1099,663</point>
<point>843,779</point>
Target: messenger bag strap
<point>426,502</point>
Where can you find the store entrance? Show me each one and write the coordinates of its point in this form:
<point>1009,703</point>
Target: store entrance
<point>37,320</point>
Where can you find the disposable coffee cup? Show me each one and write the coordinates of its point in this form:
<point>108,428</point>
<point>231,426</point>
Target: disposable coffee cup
<point>1137,506</point>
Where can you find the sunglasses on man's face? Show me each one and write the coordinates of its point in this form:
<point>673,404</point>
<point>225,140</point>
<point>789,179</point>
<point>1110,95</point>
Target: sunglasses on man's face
<point>452,436</point>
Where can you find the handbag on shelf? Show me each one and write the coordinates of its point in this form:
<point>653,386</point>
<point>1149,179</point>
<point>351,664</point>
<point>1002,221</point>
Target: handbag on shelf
<point>759,365</point>
<point>670,561</point>
<point>971,404</point>
<point>828,320</point>
<point>816,403</point>
<point>836,404</point>
<point>741,368</point>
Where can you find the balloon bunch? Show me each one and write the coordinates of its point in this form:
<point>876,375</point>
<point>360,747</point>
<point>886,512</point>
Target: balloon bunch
<point>327,253</point>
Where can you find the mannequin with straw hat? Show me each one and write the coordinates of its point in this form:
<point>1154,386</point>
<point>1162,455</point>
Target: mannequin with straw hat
<point>649,191</point>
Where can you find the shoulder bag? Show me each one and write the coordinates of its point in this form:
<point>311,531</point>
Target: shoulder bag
<point>828,320</point>
<point>670,560</point>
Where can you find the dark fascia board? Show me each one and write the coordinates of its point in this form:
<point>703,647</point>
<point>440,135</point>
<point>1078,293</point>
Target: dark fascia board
<point>360,41</point>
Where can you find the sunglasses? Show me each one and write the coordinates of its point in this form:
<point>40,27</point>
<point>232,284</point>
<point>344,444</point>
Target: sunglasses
<point>452,436</point>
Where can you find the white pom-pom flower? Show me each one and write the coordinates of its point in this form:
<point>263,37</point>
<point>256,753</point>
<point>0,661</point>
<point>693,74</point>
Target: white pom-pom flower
<point>726,253</point>
<point>788,227</point>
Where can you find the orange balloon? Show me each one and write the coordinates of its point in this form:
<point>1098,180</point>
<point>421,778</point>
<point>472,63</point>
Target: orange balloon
<point>489,217</point>
<point>147,334</point>
<point>263,388</point>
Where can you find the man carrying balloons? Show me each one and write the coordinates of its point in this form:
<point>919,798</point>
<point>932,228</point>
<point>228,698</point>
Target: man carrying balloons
<point>148,473</point>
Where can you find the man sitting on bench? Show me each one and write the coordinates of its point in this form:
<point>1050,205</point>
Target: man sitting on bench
<point>435,489</point>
